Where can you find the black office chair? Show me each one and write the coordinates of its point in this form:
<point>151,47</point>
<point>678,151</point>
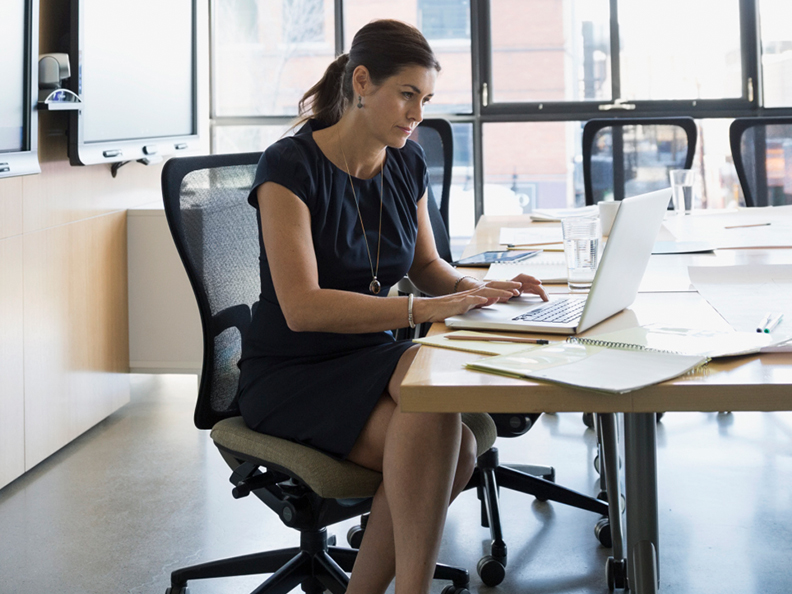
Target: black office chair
<point>625,157</point>
<point>762,152</point>
<point>436,138</point>
<point>216,235</point>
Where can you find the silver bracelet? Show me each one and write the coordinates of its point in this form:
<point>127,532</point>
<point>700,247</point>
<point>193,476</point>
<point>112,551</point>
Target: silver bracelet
<point>410,319</point>
<point>459,280</point>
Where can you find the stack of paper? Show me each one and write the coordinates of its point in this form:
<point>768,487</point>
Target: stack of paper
<point>554,215</point>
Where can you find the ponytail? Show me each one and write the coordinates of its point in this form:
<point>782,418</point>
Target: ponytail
<point>326,100</point>
<point>384,47</point>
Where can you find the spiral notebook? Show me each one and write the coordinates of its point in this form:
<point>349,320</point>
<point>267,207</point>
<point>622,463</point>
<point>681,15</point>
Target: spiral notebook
<point>593,364</point>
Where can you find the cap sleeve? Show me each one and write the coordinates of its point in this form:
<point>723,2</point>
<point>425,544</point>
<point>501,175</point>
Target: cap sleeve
<point>286,165</point>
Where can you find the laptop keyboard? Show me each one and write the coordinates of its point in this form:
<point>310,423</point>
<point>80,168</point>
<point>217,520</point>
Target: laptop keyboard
<point>561,311</point>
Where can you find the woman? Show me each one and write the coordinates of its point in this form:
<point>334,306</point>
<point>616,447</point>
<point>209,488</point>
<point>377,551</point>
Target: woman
<point>343,217</point>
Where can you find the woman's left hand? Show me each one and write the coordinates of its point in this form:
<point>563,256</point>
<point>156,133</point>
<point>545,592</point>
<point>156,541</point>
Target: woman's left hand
<point>520,284</point>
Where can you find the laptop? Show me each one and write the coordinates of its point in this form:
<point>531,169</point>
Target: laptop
<point>615,285</point>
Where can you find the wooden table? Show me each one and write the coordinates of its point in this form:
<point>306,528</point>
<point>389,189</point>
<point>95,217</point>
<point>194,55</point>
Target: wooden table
<point>437,381</point>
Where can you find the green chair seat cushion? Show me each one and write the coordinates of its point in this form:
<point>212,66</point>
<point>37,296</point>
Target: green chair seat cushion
<point>328,477</point>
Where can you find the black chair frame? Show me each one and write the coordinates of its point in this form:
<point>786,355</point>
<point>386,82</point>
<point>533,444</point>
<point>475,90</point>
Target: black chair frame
<point>736,131</point>
<point>593,126</point>
<point>489,475</point>
<point>316,564</point>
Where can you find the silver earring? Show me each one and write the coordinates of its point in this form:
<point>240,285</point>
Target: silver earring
<point>360,102</point>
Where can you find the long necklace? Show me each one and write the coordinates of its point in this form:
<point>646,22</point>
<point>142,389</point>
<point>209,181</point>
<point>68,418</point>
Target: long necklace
<point>375,285</point>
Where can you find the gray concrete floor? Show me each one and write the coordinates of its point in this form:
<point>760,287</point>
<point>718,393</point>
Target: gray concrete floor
<point>144,492</point>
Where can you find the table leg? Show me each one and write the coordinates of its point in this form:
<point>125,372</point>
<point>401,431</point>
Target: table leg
<point>640,466</point>
<point>615,569</point>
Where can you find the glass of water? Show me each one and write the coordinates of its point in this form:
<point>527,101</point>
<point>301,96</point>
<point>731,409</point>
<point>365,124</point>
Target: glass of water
<point>683,185</point>
<point>581,249</point>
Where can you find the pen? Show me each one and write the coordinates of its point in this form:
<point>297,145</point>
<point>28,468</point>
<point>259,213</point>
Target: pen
<point>765,321</point>
<point>772,325</point>
<point>490,338</point>
<point>751,225</point>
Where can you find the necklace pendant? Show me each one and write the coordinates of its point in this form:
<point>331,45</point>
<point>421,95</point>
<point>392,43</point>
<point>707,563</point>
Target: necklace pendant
<point>375,286</point>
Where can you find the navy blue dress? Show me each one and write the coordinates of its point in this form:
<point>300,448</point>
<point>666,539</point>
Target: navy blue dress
<point>319,388</point>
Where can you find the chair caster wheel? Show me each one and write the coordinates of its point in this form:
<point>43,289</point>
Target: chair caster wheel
<point>616,574</point>
<point>602,531</point>
<point>355,536</point>
<point>603,496</point>
<point>588,420</point>
<point>490,570</point>
<point>454,590</point>
<point>178,590</point>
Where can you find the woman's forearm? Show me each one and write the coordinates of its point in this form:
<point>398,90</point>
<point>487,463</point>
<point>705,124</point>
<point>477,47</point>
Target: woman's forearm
<point>438,277</point>
<point>329,310</point>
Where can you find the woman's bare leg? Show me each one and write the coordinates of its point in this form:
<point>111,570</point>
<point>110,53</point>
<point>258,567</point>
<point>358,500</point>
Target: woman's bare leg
<point>415,492</point>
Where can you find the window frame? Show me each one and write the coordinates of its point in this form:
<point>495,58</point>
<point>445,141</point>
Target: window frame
<point>750,104</point>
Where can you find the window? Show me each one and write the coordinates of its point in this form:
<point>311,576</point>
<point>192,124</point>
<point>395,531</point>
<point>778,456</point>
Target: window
<point>444,19</point>
<point>519,77</point>
<point>303,21</point>
<point>666,56</point>
<point>549,50</point>
<point>776,37</point>
<point>267,54</point>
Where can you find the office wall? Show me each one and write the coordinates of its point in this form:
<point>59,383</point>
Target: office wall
<point>64,353</point>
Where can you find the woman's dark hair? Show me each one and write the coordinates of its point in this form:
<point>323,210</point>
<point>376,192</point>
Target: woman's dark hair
<point>384,47</point>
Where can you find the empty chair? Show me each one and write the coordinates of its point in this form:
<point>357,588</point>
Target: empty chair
<point>436,138</point>
<point>762,153</point>
<point>624,157</point>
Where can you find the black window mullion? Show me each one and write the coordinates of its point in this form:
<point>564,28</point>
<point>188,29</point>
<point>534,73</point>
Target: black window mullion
<point>750,50</point>
<point>615,51</point>
<point>481,63</point>
<point>339,26</point>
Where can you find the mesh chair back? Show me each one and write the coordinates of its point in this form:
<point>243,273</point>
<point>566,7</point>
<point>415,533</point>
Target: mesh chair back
<point>216,235</point>
<point>625,157</point>
<point>762,153</point>
<point>436,138</point>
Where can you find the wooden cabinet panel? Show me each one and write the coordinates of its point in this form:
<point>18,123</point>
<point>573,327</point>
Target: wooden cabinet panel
<point>12,411</point>
<point>10,206</point>
<point>75,337</point>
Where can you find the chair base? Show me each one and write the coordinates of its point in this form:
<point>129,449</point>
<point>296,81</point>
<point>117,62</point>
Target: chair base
<point>490,476</point>
<point>314,565</point>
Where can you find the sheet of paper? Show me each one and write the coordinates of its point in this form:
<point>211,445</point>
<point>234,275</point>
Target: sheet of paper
<point>534,235</point>
<point>744,295</point>
<point>548,267</point>
<point>744,228</point>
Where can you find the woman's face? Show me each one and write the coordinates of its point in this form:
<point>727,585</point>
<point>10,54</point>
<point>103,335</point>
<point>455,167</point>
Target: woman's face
<point>394,108</point>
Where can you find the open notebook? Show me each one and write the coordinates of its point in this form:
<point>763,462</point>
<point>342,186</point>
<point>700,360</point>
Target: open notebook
<point>595,365</point>
<point>690,341</point>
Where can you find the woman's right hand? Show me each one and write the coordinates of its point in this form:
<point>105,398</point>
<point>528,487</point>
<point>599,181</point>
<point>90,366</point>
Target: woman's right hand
<point>437,309</point>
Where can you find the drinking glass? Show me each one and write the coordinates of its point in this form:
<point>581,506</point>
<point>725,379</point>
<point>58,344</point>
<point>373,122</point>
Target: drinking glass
<point>581,249</point>
<point>683,185</point>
